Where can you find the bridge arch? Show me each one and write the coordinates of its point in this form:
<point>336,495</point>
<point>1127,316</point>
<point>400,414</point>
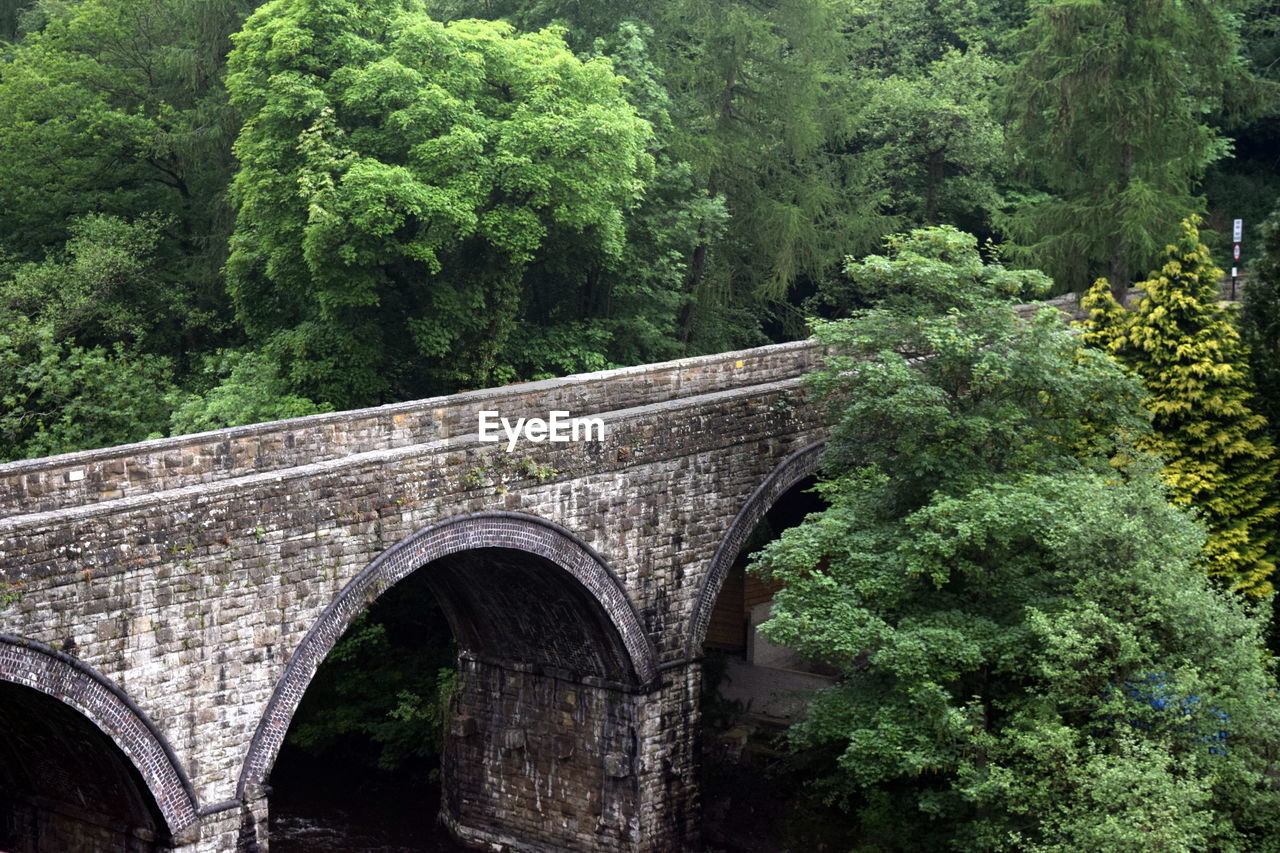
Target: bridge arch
<point>98,700</point>
<point>796,467</point>
<point>631,657</point>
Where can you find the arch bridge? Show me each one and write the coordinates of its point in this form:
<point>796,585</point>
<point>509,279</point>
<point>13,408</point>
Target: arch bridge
<point>164,605</point>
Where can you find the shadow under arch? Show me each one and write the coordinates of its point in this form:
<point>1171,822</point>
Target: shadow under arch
<point>790,471</point>
<point>75,684</point>
<point>548,543</point>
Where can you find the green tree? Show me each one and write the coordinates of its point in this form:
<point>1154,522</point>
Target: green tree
<point>940,141</point>
<point>11,18</point>
<point>1246,185</point>
<point>398,178</point>
<point>243,387</point>
<point>821,126</point>
<point>74,330</point>
<point>117,107</point>
<point>102,287</point>
<point>761,115</point>
<point>587,310</point>
<point>1110,110</point>
<point>1218,456</point>
<point>56,396</point>
<point>1016,676</point>
<point>931,270</point>
<point>1260,324</point>
<point>381,697</point>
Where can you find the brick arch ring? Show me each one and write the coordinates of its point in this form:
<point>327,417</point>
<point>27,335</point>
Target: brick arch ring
<point>516,531</point>
<point>76,684</point>
<point>803,463</point>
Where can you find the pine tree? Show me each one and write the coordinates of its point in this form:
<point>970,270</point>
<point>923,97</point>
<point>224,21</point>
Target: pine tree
<point>1218,456</point>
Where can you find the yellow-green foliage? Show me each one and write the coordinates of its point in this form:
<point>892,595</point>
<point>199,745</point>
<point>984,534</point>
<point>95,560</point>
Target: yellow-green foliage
<point>1105,327</point>
<point>1217,455</point>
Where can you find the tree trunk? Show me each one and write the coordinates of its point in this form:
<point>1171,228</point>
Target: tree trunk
<point>696,265</point>
<point>1118,269</point>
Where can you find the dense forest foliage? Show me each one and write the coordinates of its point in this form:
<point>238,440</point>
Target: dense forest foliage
<point>1048,562</point>
<point>221,212</point>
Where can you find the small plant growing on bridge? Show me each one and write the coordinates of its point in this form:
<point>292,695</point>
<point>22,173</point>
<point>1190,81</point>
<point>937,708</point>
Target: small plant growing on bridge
<point>784,405</point>
<point>498,469</point>
<point>537,470</point>
<point>11,595</point>
<point>475,478</point>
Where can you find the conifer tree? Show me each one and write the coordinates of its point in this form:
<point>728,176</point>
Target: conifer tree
<point>1218,456</point>
<point>1109,107</point>
<point>1105,327</point>
<point>1260,323</point>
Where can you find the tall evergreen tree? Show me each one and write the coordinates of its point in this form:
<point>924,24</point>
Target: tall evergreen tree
<point>1109,112</point>
<point>1260,324</point>
<point>759,106</point>
<point>1218,456</point>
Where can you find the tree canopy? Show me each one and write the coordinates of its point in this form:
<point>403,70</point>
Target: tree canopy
<point>397,178</point>
<point>378,201</point>
<point>1031,657</point>
<point>1112,106</point>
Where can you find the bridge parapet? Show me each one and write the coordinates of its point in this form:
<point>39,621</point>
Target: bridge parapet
<point>94,476</point>
<point>200,520</point>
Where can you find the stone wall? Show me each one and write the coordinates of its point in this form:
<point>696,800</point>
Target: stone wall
<point>608,770</point>
<point>193,587</point>
<point>568,749</point>
<point>1069,303</point>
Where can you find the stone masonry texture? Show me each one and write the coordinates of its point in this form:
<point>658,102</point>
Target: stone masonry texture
<point>180,593</point>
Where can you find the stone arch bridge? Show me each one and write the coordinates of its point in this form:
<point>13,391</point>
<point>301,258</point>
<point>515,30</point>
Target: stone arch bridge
<point>164,605</point>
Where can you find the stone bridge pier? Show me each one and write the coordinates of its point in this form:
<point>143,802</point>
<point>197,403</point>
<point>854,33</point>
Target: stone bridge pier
<point>538,763</point>
<point>164,606</point>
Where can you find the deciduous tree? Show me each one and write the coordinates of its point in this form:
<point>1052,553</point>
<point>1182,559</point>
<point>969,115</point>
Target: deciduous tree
<point>117,107</point>
<point>398,177</point>
<point>1016,676</point>
<point>75,330</point>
